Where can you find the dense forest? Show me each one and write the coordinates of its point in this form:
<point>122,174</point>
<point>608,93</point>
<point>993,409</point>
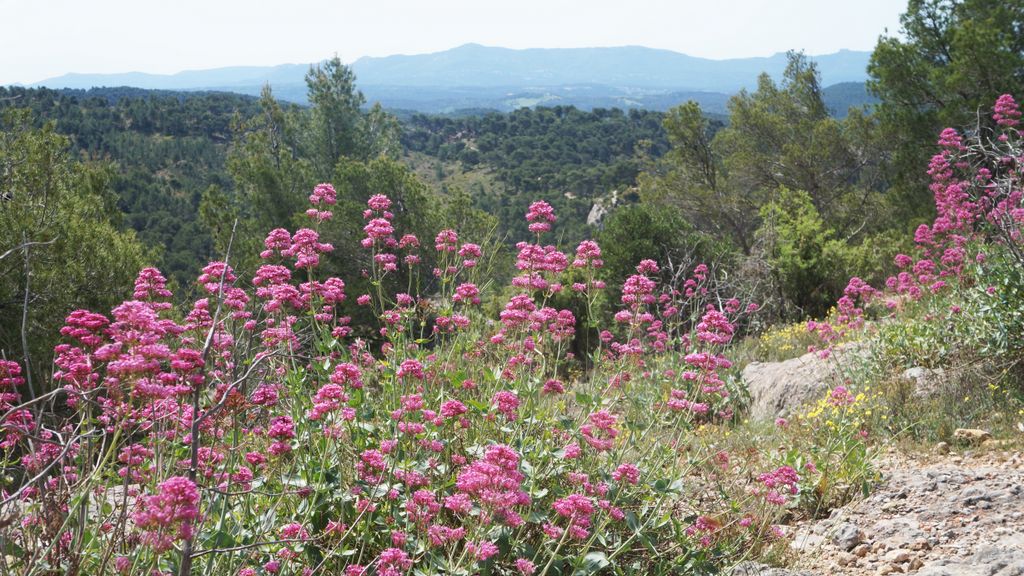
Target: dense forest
<point>566,156</point>
<point>162,149</point>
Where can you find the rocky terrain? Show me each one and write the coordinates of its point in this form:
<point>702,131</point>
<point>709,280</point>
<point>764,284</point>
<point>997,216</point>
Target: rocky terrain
<point>937,515</point>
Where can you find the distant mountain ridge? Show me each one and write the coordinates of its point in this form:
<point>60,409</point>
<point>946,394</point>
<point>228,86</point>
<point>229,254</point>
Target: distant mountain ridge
<point>637,66</point>
<point>211,79</point>
<point>475,76</point>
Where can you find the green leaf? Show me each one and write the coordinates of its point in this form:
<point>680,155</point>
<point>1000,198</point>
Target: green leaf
<point>592,563</point>
<point>223,539</point>
<point>632,521</point>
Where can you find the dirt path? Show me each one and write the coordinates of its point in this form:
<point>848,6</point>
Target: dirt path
<point>931,516</point>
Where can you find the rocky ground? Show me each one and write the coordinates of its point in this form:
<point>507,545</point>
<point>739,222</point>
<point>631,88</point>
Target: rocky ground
<point>936,515</point>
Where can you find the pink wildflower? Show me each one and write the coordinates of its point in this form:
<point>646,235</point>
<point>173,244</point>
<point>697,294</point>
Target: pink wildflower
<point>170,514</point>
<point>525,567</point>
<point>323,193</point>
<point>540,215</point>
<point>627,472</point>
<point>410,367</point>
<point>507,403</point>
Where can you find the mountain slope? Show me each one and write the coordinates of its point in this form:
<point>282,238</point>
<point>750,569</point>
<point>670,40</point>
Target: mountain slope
<point>473,65</point>
<point>223,78</point>
<point>480,77</point>
<point>476,65</point>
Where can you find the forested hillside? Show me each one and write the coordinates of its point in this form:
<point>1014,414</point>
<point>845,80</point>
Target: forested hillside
<point>165,149</point>
<point>568,157</point>
<point>162,150</point>
<point>502,79</point>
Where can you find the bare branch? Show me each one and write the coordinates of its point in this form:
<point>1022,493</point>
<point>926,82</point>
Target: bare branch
<point>245,547</point>
<point>186,552</point>
<point>25,245</point>
<point>24,321</point>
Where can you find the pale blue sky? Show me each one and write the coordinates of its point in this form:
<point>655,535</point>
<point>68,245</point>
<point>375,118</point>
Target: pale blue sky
<point>45,38</point>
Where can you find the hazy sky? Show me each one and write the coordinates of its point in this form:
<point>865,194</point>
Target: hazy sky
<point>45,38</point>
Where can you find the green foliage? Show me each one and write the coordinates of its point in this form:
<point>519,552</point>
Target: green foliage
<point>563,155</point>
<point>811,264</point>
<point>691,178</point>
<point>776,136</point>
<point>639,231</point>
<point>332,127</point>
<point>801,250</point>
<point>417,211</point>
<point>272,179</point>
<point>278,155</point>
<point>726,179</point>
<point>833,436</point>
<point>951,59</point>
<point>164,148</point>
<point>414,208</point>
<point>978,320</point>
<point>458,212</point>
<point>785,137</point>
<point>965,344</point>
<point>1005,312</point>
<point>59,248</point>
<point>380,134</point>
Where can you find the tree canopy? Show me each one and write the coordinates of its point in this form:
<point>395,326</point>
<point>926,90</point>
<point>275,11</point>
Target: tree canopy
<point>950,62</point>
<point>59,247</point>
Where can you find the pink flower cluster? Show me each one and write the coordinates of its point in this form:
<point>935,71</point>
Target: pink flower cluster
<point>539,265</point>
<point>170,514</point>
<point>281,431</point>
<point>494,484</point>
<point>578,509</point>
<point>972,204</point>
<point>265,389</point>
<point>540,216</point>
<point>779,482</point>
<point>323,194</point>
<point>1006,112</point>
<point>393,562</point>
<point>380,237</point>
<point>18,421</point>
<point>304,246</point>
<point>600,431</point>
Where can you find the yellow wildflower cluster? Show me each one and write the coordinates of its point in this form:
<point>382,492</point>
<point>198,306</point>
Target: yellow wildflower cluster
<point>784,341</point>
<point>840,407</point>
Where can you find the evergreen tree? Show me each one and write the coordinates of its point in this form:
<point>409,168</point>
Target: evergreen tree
<point>335,115</point>
<point>59,248</point>
<point>951,61</point>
